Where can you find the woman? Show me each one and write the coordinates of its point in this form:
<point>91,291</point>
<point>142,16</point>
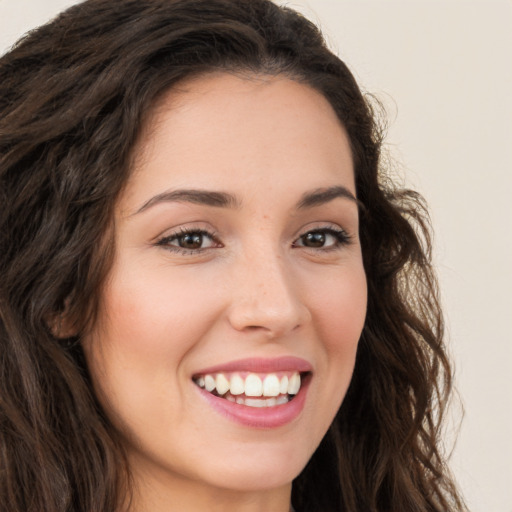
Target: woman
<point>211,296</point>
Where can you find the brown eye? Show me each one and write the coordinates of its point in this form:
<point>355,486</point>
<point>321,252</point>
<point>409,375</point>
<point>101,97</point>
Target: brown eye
<point>313,239</point>
<point>326,238</point>
<point>190,240</point>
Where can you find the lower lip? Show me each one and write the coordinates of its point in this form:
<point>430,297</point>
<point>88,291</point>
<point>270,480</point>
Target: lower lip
<point>260,417</point>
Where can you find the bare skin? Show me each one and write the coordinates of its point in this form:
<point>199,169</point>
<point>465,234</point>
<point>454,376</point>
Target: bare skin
<point>236,239</point>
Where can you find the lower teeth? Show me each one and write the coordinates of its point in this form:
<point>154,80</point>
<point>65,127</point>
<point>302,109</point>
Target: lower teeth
<point>259,402</point>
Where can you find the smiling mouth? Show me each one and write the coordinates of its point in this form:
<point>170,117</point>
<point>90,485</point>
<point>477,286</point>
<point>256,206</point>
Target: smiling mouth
<point>253,389</point>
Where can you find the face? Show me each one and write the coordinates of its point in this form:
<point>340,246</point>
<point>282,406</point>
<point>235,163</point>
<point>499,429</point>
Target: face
<point>237,275</point>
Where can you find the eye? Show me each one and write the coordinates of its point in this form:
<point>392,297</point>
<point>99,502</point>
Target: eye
<point>189,241</point>
<point>323,238</point>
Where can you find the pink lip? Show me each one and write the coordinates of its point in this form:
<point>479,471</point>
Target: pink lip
<point>261,365</point>
<point>264,417</point>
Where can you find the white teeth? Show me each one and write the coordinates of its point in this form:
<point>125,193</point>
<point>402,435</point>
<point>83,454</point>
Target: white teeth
<point>251,402</point>
<point>237,385</point>
<point>294,384</point>
<point>253,385</point>
<point>271,385</point>
<point>222,384</point>
<point>258,402</point>
<point>283,387</point>
<point>209,383</point>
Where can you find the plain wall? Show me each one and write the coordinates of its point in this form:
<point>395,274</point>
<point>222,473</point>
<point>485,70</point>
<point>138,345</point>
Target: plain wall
<point>444,71</point>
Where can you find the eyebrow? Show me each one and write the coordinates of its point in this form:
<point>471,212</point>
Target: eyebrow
<point>203,197</point>
<point>225,200</point>
<point>324,195</point>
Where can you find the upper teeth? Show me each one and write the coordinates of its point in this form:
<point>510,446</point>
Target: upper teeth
<point>252,385</point>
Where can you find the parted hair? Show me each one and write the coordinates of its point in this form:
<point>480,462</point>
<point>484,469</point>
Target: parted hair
<point>74,95</point>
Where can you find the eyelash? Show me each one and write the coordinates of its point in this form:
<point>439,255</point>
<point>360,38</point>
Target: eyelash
<point>342,238</point>
<point>166,241</point>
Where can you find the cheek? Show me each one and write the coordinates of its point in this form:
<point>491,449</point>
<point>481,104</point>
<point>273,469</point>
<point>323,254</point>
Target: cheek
<point>340,309</point>
<point>338,306</point>
<point>153,312</point>
<point>137,350</point>
<point>340,312</point>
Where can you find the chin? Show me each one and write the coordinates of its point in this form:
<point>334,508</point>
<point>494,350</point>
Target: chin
<point>265,470</point>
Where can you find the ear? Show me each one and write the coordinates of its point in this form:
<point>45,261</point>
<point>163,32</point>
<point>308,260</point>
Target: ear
<point>60,324</point>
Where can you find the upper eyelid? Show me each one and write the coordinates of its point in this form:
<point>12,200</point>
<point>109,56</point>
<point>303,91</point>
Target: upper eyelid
<point>213,235</point>
<point>163,239</point>
<point>179,230</point>
<point>330,230</point>
<point>323,226</point>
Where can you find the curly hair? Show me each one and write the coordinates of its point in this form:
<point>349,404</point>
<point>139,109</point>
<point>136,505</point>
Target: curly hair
<point>73,96</point>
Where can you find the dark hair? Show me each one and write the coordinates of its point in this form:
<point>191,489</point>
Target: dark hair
<point>73,97</point>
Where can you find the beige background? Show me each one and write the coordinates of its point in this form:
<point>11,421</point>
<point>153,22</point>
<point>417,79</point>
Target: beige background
<point>444,71</point>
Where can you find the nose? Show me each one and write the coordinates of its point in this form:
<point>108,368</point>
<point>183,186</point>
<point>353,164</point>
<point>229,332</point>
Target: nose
<point>266,297</point>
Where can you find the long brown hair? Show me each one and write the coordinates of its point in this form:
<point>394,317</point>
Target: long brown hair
<point>73,96</point>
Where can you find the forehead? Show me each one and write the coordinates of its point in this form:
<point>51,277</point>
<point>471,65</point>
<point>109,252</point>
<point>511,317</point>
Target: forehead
<point>223,129</point>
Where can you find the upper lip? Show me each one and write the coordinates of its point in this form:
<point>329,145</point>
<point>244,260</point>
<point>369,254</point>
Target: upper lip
<point>260,365</point>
